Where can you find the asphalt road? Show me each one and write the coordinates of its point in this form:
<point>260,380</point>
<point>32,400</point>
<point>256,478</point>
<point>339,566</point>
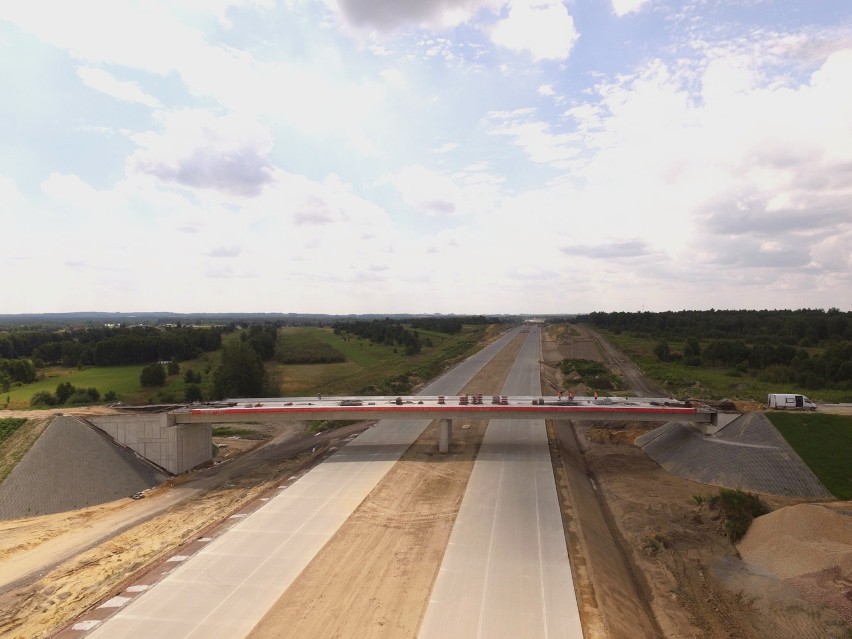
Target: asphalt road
<point>226,588</point>
<point>506,571</point>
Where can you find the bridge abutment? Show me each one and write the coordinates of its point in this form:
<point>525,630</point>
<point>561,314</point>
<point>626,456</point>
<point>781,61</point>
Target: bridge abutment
<point>160,439</point>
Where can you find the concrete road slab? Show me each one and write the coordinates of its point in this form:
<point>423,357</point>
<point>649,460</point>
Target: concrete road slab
<point>506,571</point>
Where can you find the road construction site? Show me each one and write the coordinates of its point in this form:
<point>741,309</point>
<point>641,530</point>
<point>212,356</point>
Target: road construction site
<point>643,558</point>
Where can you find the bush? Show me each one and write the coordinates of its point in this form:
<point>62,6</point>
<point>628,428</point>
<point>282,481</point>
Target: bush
<point>736,511</point>
<point>44,398</point>
<point>153,375</point>
<point>64,391</point>
<point>84,396</point>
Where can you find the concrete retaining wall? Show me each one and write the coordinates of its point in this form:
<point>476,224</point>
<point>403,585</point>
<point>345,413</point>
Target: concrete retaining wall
<point>175,447</point>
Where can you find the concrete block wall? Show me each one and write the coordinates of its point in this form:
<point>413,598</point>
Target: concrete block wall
<point>175,447</point>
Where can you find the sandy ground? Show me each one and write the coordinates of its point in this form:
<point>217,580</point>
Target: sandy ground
<point>647,560</point>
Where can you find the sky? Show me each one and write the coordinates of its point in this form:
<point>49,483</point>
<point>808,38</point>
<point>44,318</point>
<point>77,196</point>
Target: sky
<point>425,156</point>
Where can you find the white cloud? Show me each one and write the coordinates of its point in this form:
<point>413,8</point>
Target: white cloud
<point>544,28</point>
<point>129,41</point>
<point>623,7</point>
<point>746,157</point>
<point>535,138</point>
<point>102,81</point>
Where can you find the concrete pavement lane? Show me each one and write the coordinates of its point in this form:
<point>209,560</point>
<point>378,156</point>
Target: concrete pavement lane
<point>225,589</point>
<point>506,571</point>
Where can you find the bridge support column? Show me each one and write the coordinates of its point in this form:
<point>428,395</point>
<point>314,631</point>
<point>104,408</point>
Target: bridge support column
<point>445,435</point>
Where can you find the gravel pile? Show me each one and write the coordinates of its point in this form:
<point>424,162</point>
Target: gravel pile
<point>800,539</point>
<point>71,466</point>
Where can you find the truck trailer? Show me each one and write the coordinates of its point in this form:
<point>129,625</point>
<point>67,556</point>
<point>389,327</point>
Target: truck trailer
<point>789,400</point>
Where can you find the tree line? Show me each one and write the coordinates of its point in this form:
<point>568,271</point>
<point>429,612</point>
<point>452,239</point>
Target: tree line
<point>16,370</point>
<point>451,325</point>
<point>803,327</point>
<point>109,346</point>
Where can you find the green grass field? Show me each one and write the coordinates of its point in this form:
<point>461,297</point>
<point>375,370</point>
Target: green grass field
<point>824,442</point>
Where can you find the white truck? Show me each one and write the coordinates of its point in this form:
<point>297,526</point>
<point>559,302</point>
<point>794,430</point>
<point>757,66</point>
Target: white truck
<point>789,400</point>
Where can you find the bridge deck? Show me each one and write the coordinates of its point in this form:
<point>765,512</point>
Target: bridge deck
<point>446,407</point>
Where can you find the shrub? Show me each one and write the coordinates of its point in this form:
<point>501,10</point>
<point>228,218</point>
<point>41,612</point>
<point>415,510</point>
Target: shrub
<point>153,375</point>
<point>737,510</point>
<point>44,398</point>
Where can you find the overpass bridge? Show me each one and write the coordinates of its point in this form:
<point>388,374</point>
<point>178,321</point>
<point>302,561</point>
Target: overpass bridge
<point>181,438</point>
<point>446,409</point>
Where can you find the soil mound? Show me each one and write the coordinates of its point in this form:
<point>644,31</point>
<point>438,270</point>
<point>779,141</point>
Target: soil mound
<point>71,466</point>
<point>749,454</point>
<point>800,539</point>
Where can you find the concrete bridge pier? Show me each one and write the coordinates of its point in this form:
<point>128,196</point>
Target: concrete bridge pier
<point>445,435</point>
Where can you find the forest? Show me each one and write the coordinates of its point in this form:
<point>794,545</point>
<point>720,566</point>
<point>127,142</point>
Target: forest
<point>810,348</point>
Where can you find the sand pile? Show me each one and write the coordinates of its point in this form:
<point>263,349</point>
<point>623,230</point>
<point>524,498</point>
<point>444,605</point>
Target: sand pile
<point>800,539</point>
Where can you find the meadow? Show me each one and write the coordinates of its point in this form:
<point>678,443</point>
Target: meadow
<point>707,382</point>
<point>369,366</point>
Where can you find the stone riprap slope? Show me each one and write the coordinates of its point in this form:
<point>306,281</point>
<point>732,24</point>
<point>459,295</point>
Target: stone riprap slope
<point>71,466</point>
<point>749,454</point>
